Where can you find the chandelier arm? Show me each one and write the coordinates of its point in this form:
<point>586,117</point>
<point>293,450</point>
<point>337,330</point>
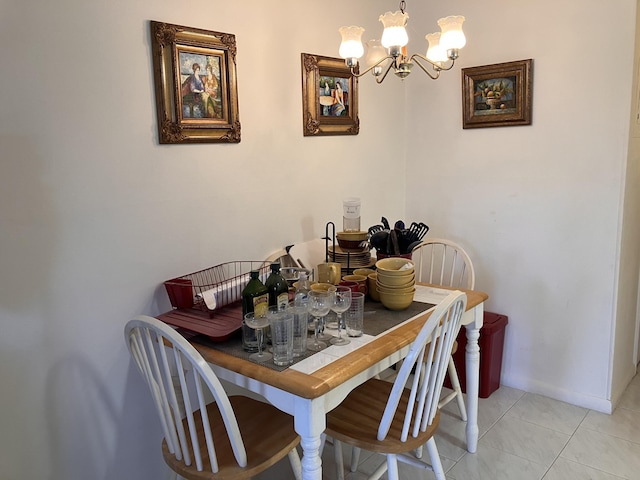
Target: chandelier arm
<point>435,65</point>
<point>380,78</point>
<point>358,75</point>
<point>433,77</point>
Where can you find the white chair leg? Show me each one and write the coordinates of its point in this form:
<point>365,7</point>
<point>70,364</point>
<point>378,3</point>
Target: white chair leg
<point>355,458</point>
<point>337,451</point>
<point>296,465</point>
<point>455,383</point>
<point>434,456</point>
<point>418,452</point>
<point>392,466</point>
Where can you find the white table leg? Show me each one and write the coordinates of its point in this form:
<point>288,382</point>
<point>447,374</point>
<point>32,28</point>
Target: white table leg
<point>310,422</point>
<point>472,361</point>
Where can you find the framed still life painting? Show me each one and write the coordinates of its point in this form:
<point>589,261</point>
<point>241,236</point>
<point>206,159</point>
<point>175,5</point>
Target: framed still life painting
<point>329,97</point>
<point>497,95</point>
<point>195,85</point>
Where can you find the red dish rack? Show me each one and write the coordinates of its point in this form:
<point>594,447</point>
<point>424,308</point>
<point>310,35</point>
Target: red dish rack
<point>224,284</point>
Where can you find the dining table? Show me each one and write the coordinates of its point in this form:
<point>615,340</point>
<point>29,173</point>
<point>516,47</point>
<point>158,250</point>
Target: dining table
<point>309,389</point>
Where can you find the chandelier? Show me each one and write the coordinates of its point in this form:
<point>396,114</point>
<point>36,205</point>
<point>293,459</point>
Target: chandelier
<point>392,47</point>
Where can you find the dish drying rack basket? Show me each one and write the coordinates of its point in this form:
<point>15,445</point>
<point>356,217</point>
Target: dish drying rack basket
<point>215,287</point>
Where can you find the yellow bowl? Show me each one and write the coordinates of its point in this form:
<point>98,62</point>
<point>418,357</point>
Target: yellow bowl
<point>396,280</point>
<point>352,245</point>
<point>295,284</point>
<point>395,266</point>
<point>352,240</point>
<point>397,290</point>
<point>364,271</point>
<point>355,278</point>
<point>395,301</point>
<point>359,236</point>
<point>373,288</point>
<point>322,287</point>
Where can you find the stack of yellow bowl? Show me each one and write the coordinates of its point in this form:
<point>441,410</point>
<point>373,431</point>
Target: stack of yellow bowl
<point>395,282</point>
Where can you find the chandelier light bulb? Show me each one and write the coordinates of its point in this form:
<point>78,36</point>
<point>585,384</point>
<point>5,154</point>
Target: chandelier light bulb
<point>395,33</point>
<point>375,52</point>
<point>452,36</point>
<point>435,52</point>
<point>351,46</point>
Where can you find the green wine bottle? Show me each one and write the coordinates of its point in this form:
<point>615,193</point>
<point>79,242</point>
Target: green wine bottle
<point>277,287</point>
<point>255,296</point>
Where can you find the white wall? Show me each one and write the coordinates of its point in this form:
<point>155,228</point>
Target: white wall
<point>628,316</point>
<point>539,207</point>
<point>95,214</point>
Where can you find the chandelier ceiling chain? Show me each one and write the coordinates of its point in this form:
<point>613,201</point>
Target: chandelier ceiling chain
<point>441,55</point>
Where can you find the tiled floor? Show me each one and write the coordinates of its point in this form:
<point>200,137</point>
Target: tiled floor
<point>523,437</point>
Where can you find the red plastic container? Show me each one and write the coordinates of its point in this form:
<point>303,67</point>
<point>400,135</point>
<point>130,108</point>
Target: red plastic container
<point>491,344</point>
<point>180,291</point>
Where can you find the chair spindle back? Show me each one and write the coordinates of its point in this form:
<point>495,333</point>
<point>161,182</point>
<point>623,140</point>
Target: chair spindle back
<point>430,359</point>
<point>443,262</point>
<point>149,340</point>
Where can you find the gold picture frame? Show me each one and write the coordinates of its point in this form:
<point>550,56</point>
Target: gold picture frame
<point>498,95</point>
<point>329,97</point>
<point>195,84</point>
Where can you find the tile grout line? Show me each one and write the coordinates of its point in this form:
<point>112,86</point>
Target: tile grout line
<point>565,445</point>
<point>455,462</point>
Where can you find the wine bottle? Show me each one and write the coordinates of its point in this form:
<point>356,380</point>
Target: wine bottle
<point>277,287</point>
<point>255,296</point>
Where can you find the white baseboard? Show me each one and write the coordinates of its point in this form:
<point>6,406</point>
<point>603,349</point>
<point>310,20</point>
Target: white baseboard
<point>575,398</point>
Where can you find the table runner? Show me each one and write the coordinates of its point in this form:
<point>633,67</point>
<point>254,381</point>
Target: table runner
<point>377,319</point>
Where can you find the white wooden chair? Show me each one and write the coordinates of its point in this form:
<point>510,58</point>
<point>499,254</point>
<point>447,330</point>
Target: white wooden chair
<point>394,420</point>
<point>234,437</point>
<point>443,262</point>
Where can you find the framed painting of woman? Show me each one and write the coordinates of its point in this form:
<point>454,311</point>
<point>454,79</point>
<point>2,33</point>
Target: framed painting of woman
<point>195,84</point>
<point>329,97</point>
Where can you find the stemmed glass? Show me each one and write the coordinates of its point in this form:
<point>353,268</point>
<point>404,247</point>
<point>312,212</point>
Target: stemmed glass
<point>258,323</point>
<point>319,305</point>
<point>325,337</point>
<point>341,303</point>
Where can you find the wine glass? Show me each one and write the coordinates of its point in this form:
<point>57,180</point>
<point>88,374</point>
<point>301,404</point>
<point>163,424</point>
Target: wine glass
<point>322,336</point>
<point>258,323</point>
<point>319,305</point>
<point>341,303</point>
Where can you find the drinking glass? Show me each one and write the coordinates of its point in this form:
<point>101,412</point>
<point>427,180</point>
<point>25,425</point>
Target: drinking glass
<point>341,303</point>
<point>355,315</point>
<point>319,305</point>
<point>300,328</point>
<point>258,323</point>
<point>281,323</point>
<point>322,336</point>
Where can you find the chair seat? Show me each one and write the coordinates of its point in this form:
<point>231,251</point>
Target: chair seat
<point>267,433</point>
<point>356,420</point>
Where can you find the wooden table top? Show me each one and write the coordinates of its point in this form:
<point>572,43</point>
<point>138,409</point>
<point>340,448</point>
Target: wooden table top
<point>321,381</point>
